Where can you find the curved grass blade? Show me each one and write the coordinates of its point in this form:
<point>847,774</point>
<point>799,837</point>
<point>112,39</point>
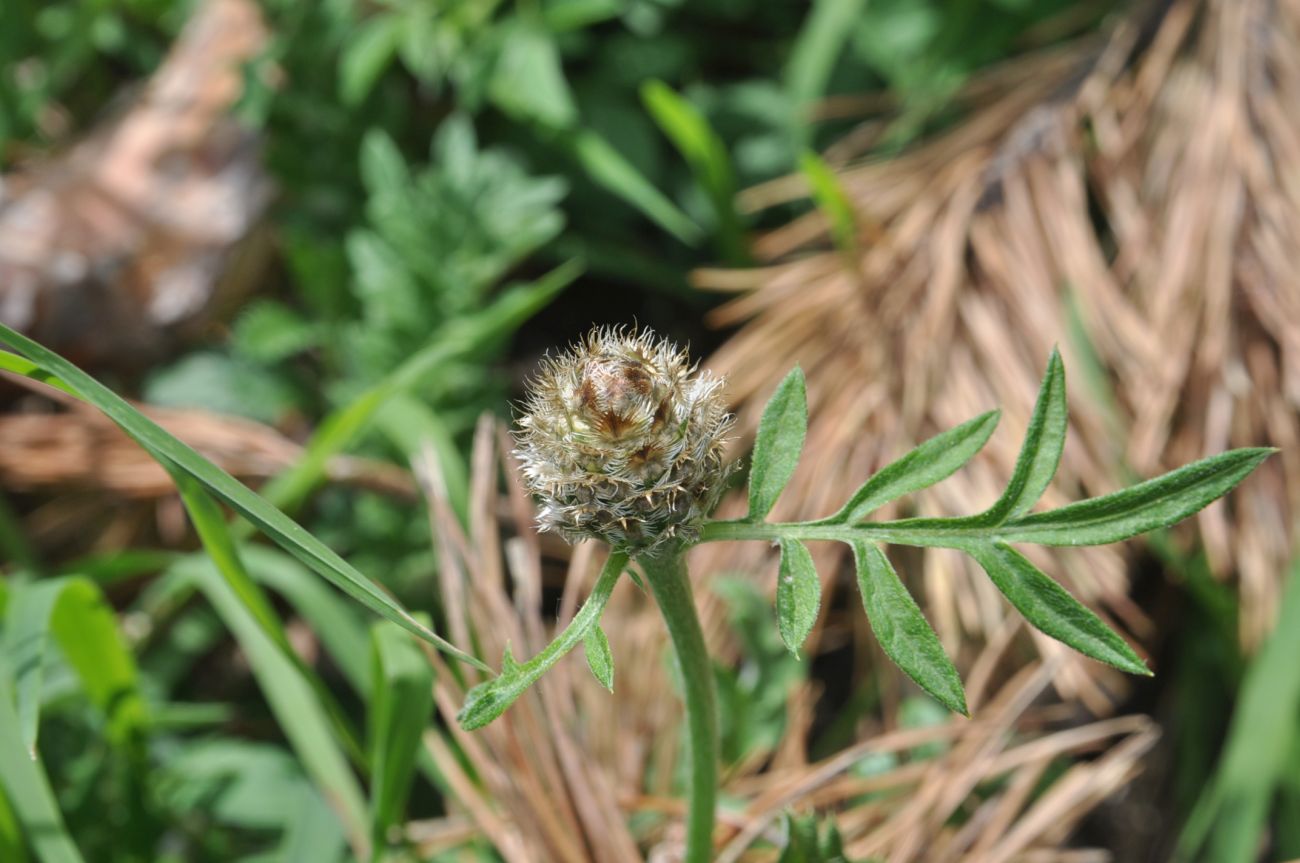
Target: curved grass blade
<point>171,452</point>
<point>28,788</point>
<point>780,438</point>
<point>902,630</point>
<point>1040,453</point>
<point>798,594</point>
<point>1157,502</point>
<point>934,460</point>
<point>707,157</point>
<point>490,699</point>
<point>1050,608</point>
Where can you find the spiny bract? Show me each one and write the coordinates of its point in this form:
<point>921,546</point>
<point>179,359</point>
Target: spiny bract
<point>621,440</point>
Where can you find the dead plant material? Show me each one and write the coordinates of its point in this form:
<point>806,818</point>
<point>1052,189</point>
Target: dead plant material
<point>111,250</point>
<point>98,482</point>
<point>82,450</point>
<point>559,776</point>
<point>1132,199</point>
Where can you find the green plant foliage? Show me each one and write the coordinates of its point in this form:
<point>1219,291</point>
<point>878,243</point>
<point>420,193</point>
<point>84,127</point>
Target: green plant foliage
<point>905,636</point>
<point>780,439</point>
<point>400,704</point>
<point>806,844</point>
<point>174,454</point>
<point>834,203</point>
<point>936,459</point>
<point>798,594</point>
<point>1256,769</point>
<point>595,645</point>
<point>72,614</point>
<point>902,630</point>
<point>754,696</point>
<point>489,700</point>
<point>26,786</point>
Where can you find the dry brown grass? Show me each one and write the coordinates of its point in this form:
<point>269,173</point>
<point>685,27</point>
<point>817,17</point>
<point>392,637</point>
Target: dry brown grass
<point>1143,185</point>
<point>565,768</point>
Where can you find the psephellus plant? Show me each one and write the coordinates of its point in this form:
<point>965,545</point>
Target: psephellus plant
<point>622,440</point>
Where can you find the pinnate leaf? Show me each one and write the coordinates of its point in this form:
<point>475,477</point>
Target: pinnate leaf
<point>490,699</point>
<point>798,594</point>
<point>934,460</point>
<point>902,630</point>
<point>1048,606</point>
<point>780,439</point>
<point>1041,451</point>
<point>1158,502</point>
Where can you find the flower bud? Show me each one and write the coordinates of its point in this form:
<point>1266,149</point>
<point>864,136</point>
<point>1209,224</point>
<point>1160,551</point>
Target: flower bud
<point>621,440</point>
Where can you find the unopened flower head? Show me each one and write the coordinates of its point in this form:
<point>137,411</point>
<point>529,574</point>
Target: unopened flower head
<point>622,440</point>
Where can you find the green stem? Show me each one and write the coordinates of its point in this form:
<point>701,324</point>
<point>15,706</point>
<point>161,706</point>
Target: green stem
<point>941,532</point>
<point>671,586</point>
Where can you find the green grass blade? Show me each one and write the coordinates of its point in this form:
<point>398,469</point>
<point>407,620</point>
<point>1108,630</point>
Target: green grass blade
<point>833,202</point>
<point>171,452</point>
<point>26,634</point>
<point>292,698</point>
<point>27,788</point>
<point>85,627</point>
<point>210,524</point>
<point>1048,606</point>
<point>707,157</point>
<point>903,632</point>
<point>1146,506</point>
<point>934,460</point>
<point>338,624</point>
<point>825,32</point>
<point>798,594</point>
<point>781,433</point>
<point>1041,451</point>
<point>607,167</point>
<point>489,700</point>
<point>401,704</point>
<point>1231,817</point>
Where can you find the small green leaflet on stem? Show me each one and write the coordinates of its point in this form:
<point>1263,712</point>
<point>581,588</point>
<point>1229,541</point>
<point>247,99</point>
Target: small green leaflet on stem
<point>1048,606</point>
<point>1146,506</point>
<point>780,439</point>
<point>599,658</point>
<point>902,630</point>
<point>1041,452</point>
<point>798,594</point>
<point>935,460</point>
<point>490,699</point>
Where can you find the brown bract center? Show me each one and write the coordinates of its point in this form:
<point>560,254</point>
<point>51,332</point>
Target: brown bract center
<point>614,390</point>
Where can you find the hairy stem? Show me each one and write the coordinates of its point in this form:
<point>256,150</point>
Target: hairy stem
<point>671,586</point>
